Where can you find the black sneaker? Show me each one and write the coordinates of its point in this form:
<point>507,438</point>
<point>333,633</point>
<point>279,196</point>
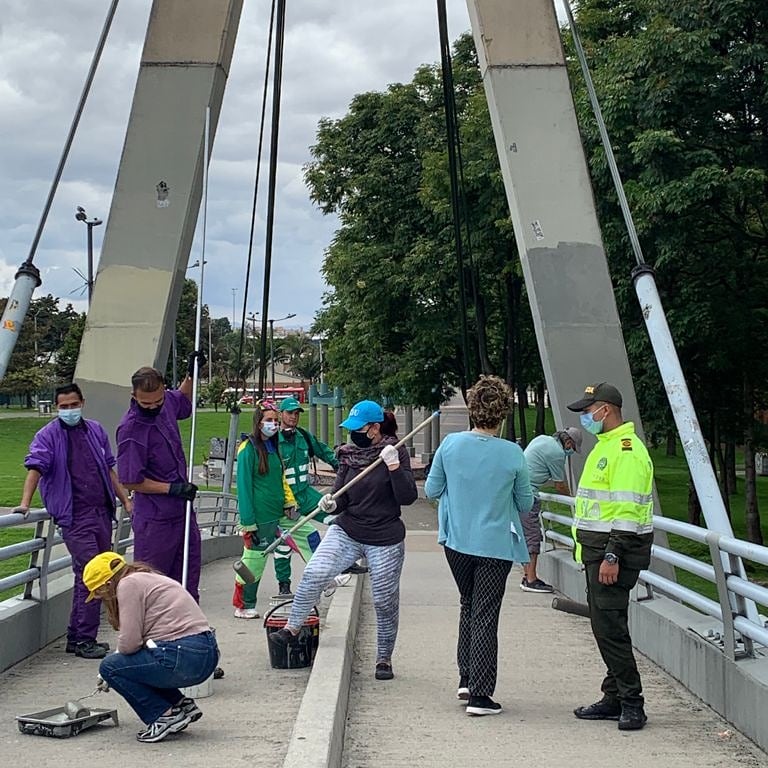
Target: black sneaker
<point>537,585</point>
<point>282,637</point>
<point>90,649</point>
<point>605,709</point>
<point>632,718</point>
<point>157,731</point>
<point>483,705</point>
<point>72,645</point>
<point>284,589</point>
<point>356,570</point>
<point>384,670</point>
<point>462,694</point>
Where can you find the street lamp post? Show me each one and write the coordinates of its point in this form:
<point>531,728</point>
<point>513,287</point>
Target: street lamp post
<point>272,322</point>
<point>234,291</point>
<point>90,223</point>
<point>252,317</point>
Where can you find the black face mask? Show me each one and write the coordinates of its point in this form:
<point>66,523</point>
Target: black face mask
<point>361,439</point>
<point>151,412</point>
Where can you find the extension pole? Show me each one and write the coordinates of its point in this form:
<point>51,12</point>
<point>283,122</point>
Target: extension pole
<point>344,488</point>
<point>196,363</point>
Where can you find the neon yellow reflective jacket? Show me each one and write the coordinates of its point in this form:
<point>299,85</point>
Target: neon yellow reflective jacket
<point>615,494</point>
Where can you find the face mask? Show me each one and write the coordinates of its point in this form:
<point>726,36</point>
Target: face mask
<point>71,416</point>
<point>151,412</point>
<point>589,423</point>
<point>361,439</point>
<point>269,429</point>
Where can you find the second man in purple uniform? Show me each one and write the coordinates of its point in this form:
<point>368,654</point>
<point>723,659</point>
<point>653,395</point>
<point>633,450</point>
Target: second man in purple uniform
<point>151,463</point>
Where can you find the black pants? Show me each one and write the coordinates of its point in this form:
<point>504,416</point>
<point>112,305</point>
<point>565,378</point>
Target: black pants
<point>608,607</point>
<point>481,582</point>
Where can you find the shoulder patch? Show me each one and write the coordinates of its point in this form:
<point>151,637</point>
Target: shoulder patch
<point>626,444</point>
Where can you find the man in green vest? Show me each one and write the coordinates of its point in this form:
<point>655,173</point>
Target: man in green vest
<point>298,449</point>
<point>613,533</point>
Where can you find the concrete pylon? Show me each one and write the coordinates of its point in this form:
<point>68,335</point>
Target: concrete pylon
<point>184,69</point>
<point>550,198</point>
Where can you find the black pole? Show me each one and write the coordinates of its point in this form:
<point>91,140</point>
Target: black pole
<point>90,261</point>
<point>270,228</point>
<point>450,125</point>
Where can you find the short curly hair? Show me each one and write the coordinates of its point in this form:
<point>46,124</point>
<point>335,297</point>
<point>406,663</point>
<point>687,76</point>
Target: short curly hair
<point>489,401</point>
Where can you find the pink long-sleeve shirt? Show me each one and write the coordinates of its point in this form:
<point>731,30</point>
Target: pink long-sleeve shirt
<point>154,607</point>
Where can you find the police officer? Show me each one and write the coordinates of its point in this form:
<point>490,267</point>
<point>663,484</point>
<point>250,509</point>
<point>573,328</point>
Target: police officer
<point>613,532</point>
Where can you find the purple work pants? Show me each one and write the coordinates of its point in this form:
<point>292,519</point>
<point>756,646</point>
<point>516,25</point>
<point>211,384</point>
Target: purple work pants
<point>89,535</point>
<point>160,543</point>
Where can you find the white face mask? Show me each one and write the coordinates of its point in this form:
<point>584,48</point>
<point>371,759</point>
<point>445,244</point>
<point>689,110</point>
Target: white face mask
<point>71,416</point>
<point>269,428</point>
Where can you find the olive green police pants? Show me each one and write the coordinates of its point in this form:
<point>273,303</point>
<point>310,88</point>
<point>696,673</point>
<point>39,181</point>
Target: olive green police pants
<point>608,607</point>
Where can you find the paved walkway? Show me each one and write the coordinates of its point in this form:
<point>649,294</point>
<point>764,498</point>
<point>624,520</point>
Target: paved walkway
<point>548,665</point>
<point>247,721</point>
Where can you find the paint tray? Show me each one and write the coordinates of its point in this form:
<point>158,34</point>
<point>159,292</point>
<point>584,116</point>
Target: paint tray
<point>54,722</point>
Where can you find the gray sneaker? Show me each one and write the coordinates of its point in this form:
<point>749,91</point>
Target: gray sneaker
<point>537,585</point>
<point>190,709</point>
<point>177,721</point>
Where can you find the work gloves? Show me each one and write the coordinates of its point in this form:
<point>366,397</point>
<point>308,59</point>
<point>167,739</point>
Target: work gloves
<point>390,457</point>
<point>327,504</point>
<point>186,491</point>
<point>201,361</point>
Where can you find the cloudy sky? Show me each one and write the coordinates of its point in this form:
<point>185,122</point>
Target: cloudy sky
<point>332,52</point>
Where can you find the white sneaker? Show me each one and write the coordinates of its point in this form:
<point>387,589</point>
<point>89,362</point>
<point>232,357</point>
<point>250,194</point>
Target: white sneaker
<point>338,581</point>
<point>246,613</point>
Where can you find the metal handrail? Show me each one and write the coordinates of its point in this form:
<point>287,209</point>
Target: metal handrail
<point>222,507</point>
<point>732,588</point>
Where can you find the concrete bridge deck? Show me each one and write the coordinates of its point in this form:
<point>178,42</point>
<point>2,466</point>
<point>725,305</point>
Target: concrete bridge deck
<point>264,717</point>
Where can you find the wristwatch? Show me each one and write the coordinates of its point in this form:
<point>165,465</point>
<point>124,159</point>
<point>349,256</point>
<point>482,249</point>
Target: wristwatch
<point>610,558</point>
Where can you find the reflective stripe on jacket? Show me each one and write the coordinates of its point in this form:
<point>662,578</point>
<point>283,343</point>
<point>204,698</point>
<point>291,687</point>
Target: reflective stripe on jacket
<point>616,488</point>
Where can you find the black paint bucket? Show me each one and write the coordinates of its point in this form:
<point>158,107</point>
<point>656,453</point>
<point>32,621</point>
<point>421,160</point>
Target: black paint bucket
<point>302,651</point>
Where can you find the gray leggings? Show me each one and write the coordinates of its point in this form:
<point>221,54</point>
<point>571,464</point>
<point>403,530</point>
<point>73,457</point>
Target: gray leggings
<point>336,553</point>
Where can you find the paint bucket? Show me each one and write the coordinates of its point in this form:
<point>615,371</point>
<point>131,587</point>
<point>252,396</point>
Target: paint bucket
<point>204,689</point>
<point>302,651</point>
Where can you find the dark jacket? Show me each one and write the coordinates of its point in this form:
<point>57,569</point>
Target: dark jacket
<point>371,508</point>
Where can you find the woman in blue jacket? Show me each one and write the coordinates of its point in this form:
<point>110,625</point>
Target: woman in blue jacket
<point>483,487</point>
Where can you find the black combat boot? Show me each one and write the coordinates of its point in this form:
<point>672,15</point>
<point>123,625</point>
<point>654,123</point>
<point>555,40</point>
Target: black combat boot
<point>633,717</point>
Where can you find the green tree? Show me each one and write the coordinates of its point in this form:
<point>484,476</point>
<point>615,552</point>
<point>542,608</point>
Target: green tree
<point>684,89</point>
<point>66,358</point>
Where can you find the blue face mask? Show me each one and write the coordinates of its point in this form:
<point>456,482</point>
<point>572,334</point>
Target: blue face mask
<point>590,425</point>
<point>71,416</point>
<point>269,429</point>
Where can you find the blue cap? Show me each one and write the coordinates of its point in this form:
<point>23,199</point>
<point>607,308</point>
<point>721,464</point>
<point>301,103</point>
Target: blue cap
<point>290,404</point>
<point>362,413</point>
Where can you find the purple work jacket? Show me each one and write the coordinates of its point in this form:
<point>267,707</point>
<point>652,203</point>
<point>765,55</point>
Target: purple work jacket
<point>48,455</point>
<point>149,447</point>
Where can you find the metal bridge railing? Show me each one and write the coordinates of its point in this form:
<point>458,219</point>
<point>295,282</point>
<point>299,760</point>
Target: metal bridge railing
<point>739,632</point>
<point>216,516</point>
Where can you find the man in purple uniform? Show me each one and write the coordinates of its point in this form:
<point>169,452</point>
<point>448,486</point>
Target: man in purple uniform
<point>151,463</point>
<point>71,460</point>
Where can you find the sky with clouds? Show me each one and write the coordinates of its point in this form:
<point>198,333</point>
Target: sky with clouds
<point>332,52</point>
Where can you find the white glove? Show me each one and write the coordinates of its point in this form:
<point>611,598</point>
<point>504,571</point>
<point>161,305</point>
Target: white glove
<point>101,684</point>
<point>390,457</point>
<point>327,504</point>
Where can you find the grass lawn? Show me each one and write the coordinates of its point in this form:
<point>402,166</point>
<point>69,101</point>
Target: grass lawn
<point>671,481</point>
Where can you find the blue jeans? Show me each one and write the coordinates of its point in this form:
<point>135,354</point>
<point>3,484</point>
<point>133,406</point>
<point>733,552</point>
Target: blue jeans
<point>149,680</point>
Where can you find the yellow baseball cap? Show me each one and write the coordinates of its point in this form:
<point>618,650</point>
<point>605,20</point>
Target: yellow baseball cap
<point>99,570</point>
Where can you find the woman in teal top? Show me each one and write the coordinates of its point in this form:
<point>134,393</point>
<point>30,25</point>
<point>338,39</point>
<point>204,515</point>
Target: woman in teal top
<point>482,485</point>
